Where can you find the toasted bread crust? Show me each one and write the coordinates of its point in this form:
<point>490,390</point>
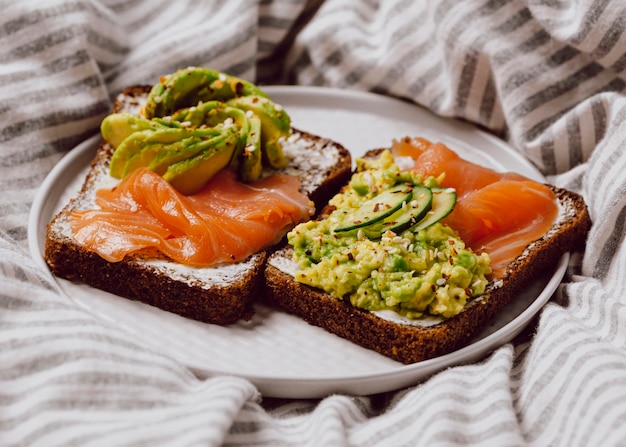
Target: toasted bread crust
<point>409,343</point>
<point>221,302</point>
<point>406,344</point>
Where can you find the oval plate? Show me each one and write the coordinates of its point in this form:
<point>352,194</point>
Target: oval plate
<point>282,355</point>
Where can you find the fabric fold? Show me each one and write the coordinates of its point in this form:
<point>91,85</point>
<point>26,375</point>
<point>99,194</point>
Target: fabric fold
<point>547,77</point>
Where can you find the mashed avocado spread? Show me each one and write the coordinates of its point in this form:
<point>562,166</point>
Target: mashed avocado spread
<point>418,270</point>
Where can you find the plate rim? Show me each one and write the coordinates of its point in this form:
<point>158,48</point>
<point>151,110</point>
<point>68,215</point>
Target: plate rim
<point>367,96</point>
<point>314,388</point>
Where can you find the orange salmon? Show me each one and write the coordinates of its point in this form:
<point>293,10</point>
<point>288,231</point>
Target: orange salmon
<point>227,221</point>
<point>498,213</point>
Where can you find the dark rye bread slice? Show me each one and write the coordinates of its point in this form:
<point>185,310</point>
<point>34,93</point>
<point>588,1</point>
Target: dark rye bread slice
<point>221,295</point>
<point>410,343</point>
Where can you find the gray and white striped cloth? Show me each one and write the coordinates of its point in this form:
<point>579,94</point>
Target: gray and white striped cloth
<point>548,76</point>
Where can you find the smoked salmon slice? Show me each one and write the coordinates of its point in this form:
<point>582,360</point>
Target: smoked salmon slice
<point>227,221</point>
<point>498,213</point>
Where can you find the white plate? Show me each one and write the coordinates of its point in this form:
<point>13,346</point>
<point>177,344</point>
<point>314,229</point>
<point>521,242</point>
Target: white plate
<point>280,354</point>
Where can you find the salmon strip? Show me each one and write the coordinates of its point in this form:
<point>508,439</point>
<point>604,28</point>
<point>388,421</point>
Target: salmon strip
<point>225,222</point>
<point>498,213</point>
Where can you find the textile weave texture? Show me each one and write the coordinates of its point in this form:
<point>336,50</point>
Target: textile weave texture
<point>548,77</point>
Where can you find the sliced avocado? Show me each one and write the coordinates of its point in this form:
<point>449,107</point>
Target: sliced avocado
<point>275,124</point>
<point>379,207</point>
<point>117,126</point>
<point>209,113</point>
<point>413,212</point>
<point>135,152</point>
<point>189,86</point>
<point>249,159</point>
<point>129,148</point>
<point>157,149</point>
<point>193,100</point>
<point>444,200</point>
<point>160,158</point>
<point>215,114</point>
<point>191,175</point>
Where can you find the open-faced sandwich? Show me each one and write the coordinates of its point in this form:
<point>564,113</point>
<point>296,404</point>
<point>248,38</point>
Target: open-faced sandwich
<point>196,178</point>
<point>421,249</point>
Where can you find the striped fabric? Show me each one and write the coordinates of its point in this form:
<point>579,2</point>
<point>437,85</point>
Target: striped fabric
<point>547,76</point>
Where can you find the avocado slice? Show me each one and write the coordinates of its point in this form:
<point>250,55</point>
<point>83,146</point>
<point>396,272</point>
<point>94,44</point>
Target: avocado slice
<point>248,159</point>
<point>187,87</point>
<point>116,127</point>
<point>275,124</point>
<point>158,148</point>
<point>190,117</point>
<point>191,175</point>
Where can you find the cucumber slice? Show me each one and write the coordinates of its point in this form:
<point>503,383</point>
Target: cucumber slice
<point>377,208</point>
<point>443,203</point>
<point>414,211</point>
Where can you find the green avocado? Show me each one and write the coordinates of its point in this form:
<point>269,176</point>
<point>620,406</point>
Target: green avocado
<point>275,124</point>
<point>209,114</point>
<point>192,120</point>
<point>157,149</point>
<point>117,126</point>
<point>248,158</point>
<point>192,174</point>
<point>191,85</point>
